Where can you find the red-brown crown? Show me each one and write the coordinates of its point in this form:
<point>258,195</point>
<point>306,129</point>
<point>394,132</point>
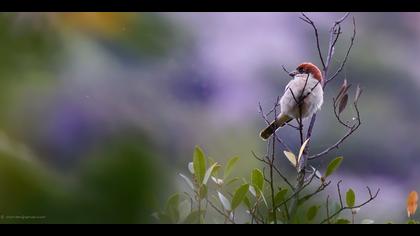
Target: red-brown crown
<point>310,68</point>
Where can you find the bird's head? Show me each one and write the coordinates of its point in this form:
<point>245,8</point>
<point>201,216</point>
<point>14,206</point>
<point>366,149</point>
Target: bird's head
<point>308,68</point>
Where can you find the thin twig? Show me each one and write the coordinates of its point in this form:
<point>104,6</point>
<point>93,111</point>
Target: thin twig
<point>273,153</point>
<point>275,168</point>
<point>343,63</point>
<point>350,131</point>
<point>342,208</point>
<point>337,114</point>
<point>325,73</point>
<point>284,68</point>
<point>334,35</point>
<point>220,212</point>
<point>277,104</point>
<point>335,32</point>
<point>310,22</point>
<point>334,146</point>
<point>318,190</point>
<point>339,193</point>
<point>295,193</point>
<point>339,21</point>
<point>294,127</point>
<point>281,141</point>
<point>253,216</point>
<point>328,209</point>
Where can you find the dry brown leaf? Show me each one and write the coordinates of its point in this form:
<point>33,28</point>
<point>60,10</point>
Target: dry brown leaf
<point>343,103</point>
<point>358,93</point>
<point>341,91</point>
<point>412,203</point>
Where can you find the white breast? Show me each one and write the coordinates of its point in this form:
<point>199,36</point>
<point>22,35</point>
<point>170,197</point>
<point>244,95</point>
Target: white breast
<point>311,103</point>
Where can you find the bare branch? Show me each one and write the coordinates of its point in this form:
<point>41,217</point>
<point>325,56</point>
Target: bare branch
<point>343,63</point>
<point>309,93</point>
<point>296,192</point>
<point>294,97</point>
<point>302,182</point>
<point>277,104</point>
<point>335,30</point>
<point>337,115</point>
<point>272,165</point>
<point>281,141</point>
<point>306,19</point>
<point>303,90</point>
<point>351,130</point>
<point>342,208</point>
<point>220,212</point>
<point>334,146</point>
<point>339,21</point>
<point>275,168</point>
<point>339,193</point>
<point>318,190</point>
<point>294,127</point>
<point>328,209</point>
<point>284,68</point>
<point>329,55</point>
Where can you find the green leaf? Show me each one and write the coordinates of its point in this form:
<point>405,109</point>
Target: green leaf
<point>216,170</point>
<point>342,222</point>
<point>291,157</point>
<point>334,164</point>
<point>280,196</point>
<point>172,207</point>
<point>367,221</point>
<point>229,166</point>
<point>412,222</point>
<point>193,217</point>
<point>252,191</point>
<point>302,148</point>
<point>239,195</point>
<point>187,180</point>
<point>184,209</point>
<point>350,198</point>
<point>257,179</point>
<point>208,173</point>
<point>313,210</point>
<point>199,165</point>
<point>247,202</point>
<point>224,201</point>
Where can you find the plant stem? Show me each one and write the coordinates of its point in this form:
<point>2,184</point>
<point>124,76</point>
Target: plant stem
<point>271,173</point>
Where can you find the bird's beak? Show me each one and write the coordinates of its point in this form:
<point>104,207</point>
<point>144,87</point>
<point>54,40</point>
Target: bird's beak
<point>293,73</point>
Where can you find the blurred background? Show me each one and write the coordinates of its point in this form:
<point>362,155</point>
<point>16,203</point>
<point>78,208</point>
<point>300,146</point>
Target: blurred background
<point>99,112</point>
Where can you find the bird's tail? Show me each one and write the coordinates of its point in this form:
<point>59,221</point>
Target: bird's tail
<point>279,122</point>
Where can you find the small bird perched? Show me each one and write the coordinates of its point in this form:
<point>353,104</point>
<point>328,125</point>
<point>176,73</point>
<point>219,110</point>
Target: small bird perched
<point>306,77</point>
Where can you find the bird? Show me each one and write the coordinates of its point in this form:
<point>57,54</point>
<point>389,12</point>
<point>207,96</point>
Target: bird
<point>305,100</point>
